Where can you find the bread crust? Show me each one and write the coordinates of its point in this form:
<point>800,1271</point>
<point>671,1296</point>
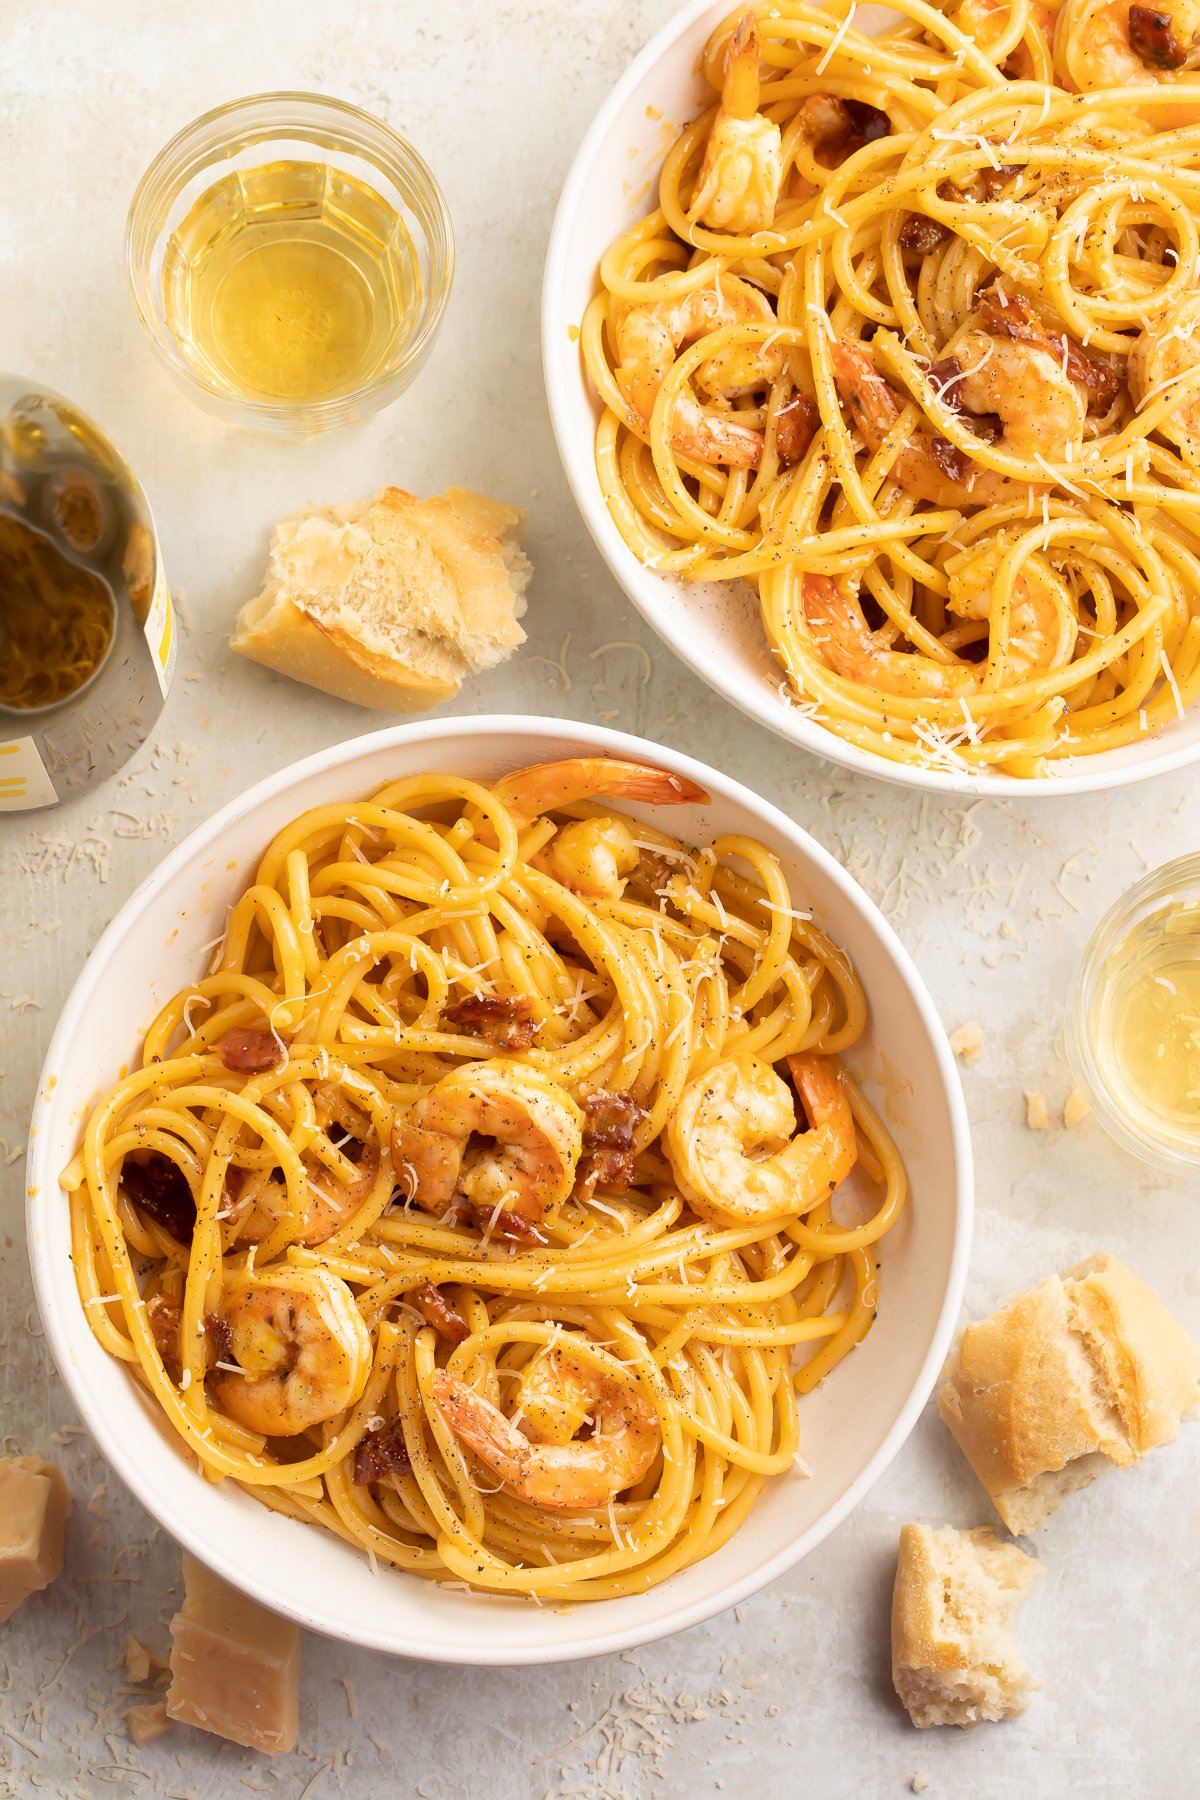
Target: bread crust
<point>1086,1370</point>
<point>390,603</point>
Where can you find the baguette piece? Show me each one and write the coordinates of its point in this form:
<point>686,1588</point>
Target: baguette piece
<point>390,603</point>
<point>1088,1369</point>
<point>956,1596</point>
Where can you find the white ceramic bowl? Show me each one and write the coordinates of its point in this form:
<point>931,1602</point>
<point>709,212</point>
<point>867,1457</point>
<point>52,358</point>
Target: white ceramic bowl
<point>852,1427</point>
<point>718,633</point>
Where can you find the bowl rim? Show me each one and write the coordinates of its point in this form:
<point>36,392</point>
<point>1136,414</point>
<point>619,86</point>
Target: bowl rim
<point>42,1183</point>
<point>1084,775</point>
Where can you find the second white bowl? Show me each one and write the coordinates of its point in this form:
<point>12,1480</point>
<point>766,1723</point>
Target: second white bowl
<point>851,1427</point>
<point>716,632</point>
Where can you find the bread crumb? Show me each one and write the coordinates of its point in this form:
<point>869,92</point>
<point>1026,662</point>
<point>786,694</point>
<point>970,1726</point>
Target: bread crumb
<point>1077,1107</point>
<point>1037,1114</point>
<point>919,1782</point>
<point>145,1723</point>
<point>967,1041</point>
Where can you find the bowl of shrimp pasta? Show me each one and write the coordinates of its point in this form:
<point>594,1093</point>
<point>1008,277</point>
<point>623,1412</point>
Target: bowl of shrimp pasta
<point>872,345</point>
<point>499,1192</point>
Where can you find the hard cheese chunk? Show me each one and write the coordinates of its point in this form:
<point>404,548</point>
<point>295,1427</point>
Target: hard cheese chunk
<point>235,1667</point>
<point>34,1504</point>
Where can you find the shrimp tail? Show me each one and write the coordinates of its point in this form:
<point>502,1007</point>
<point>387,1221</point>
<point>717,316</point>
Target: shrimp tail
<point>741,88</point>
<point>481,1426</point>
<point>528,793</point>
<point>820,1086</point>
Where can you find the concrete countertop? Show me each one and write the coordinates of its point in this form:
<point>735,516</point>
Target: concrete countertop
<point>791,1694</point>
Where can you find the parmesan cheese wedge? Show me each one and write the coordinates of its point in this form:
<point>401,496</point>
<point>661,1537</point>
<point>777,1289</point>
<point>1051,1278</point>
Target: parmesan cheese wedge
<point>34,1504</point>
<point>235,1667</point>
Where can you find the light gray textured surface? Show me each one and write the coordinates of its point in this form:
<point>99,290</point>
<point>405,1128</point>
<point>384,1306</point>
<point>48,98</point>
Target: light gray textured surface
<point>792,1695</point>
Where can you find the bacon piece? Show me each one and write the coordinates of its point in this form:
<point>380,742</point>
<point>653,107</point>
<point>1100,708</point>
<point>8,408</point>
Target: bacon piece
<point>609,1124</point>
<point>159,1188</point>
<point>922,234</point>
<point>220,1337</point>
<point>949,458</point>
<point>1152,36</point>
<point>165,1319</point>
<point>993,181</point>
<point>510,1225</point>
<point>945,378</point>
<point>504,1021</point>
<point>437,1311</point>
<point>382,1452</point>
<point>795,428</point>
<point>869,123</point>
<point>248,1051</point>
<point>840,127</point>
<point>1013,316</point>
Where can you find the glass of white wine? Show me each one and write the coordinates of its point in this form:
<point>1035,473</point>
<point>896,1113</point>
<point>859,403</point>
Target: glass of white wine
<point>1134,1022</point>
<point>290,258</point>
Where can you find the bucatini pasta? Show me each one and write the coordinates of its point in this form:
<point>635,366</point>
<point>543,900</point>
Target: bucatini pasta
<point>478,1205</point>
<point>909,345</point>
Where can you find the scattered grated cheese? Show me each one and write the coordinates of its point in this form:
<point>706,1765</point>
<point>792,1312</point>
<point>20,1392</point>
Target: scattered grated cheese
<point>628,644</point>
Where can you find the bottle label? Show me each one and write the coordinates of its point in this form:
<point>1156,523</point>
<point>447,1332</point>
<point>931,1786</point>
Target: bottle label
<point>24,780</point>
<point>160,632</point>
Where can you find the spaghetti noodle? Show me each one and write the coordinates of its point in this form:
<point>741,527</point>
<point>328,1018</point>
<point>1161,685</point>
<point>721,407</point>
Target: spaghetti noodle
<point>462,1208</point>
<point>908,345</point>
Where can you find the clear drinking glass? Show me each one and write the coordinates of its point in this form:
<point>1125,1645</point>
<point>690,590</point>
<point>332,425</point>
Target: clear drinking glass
<point>283,129</point>
<point>1145,943</point>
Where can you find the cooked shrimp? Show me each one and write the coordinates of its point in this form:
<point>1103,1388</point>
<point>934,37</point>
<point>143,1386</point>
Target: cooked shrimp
<point>1164,353</point>
<point>927,467</point>
<point>529,1137</point>
<point>648,340</point>
<point>303,1351</point>
<point>738,184</point>
<point>1040,635</point>
<point>1108,43</point>
<point>732,1145</point>
<point>560,1470</point>
<point>328,1203</point>
<point>593,857</point>
<point>1041,413</point>
<point>528,793</point>
<point>1040,409</point>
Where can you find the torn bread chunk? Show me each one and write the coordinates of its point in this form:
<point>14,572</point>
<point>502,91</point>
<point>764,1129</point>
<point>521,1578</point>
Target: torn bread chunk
<point>34,1503</point>
<point>235,1667</point>
<point>1085,1371</point>
<point>393,602</point>
<point>956,1596</point>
